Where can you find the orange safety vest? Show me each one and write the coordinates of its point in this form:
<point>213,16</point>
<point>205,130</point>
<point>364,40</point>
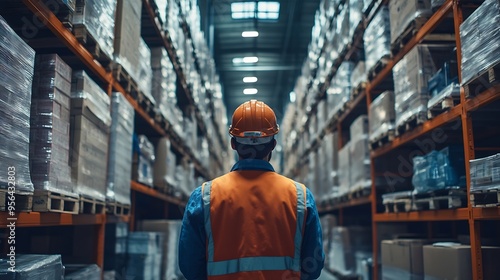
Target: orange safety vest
<point>254,222</point>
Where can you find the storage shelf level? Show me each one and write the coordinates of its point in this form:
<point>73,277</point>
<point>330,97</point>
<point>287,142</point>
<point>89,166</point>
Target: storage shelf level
<point>351,203</point>
<point>424,216</point>
<point>138,187</point>
<point>34,219</point>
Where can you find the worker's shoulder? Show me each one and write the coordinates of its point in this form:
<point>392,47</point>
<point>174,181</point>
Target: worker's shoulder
<point>292,181</point>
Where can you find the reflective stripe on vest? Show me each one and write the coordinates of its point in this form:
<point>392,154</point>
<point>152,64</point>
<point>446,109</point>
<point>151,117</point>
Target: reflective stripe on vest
<point>254,263</point>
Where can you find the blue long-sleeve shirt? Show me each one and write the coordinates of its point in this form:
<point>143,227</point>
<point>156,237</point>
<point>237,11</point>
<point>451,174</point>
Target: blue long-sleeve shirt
<point>192,243</point>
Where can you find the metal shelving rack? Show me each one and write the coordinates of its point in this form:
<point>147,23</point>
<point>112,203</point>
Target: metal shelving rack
<point>459,114</point>
<point>157,127</point>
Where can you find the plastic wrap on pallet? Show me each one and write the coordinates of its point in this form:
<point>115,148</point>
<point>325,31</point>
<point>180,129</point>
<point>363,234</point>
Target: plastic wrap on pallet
<point>359,155</point>
<point>377,38</point>
<point>164,81</point>
<point>171,230</point>
<point>342,31</point>
<point>50,122</point>
<point>404,12</point>
<point>145,251</point>
<point>98,102</point>
<point>344,169</point>
<point>339,91</point>
<point>485,173</point>
<point>355,15</point>
<point>128,37</point>
<point>89,272</point>
<point>164,166</point>
<point>143,162</point>
<point>17,61</point>
<point>411,75</point>
<point>345,241</point>
<point>144,72</point>
<point>382,115</point>
<point>438,170</point>
<point>359,128</point>
<point>98,18</point>
<point>90,123</point>
<point>436,4</point>
<point>28,267</point>
<point>480,39</point>
<point>359,74</point>
<point>120,150</point>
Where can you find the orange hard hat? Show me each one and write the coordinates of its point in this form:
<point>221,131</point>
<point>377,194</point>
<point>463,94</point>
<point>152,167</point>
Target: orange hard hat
<point>253,123</point>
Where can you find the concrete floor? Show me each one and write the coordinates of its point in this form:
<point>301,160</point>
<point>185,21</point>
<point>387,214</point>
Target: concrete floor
<point>325,275</point>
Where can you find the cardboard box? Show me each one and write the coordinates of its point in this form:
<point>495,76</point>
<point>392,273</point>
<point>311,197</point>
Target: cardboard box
<point>403,258</point>
<point>457,261</point>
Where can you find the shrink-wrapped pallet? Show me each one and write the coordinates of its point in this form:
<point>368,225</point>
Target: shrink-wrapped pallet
<point>28,267</point>
<point>144,254</point>
<point>411,75</point>
<point>127,40</point>
<point>485,173</point>
<point>480,39</point>
<point>50,123</point>
<point>344,169</point>
<point>171,230</point>
<point>143,160</point>
<point>404,12</point>
<point>17,61</point>
<point>382,115</point>
<point>90,125</point>
<point>377,38</point>
<point>120,150</point>
<point>96,18</point>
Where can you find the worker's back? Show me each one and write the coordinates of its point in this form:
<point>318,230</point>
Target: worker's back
<point>254,216</point>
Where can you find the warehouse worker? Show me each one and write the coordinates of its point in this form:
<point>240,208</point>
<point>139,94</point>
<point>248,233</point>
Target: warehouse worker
<point>251,223</point>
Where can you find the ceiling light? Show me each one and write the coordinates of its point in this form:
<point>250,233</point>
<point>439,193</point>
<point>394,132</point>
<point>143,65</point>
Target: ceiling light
<point>247,59</point>
<point>249,91</point>
<point>249,34</point>
<point>250,59</point>
<point>293,96</point>
<point>250,79</point>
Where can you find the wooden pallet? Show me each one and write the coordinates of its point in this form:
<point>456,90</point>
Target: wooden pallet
<point>384,138</point>
<point>90,205</point>
<point>360,192</point>
<point>482,81</point>
<point>485,198</point>
<point>125,80</point>
<point>48,201</point>
<point>399,205</point>
<point>378,67</point>
<point>85,38</point>
<point>23,201</point>
<point>441,105</point>
<point>441,199</point>
<point>412,122</point>
<point>117,209</point>
<point>408,33</point>
<point>61,11</point>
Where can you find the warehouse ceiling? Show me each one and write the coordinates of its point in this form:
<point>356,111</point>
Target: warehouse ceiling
<point>281,47</point>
